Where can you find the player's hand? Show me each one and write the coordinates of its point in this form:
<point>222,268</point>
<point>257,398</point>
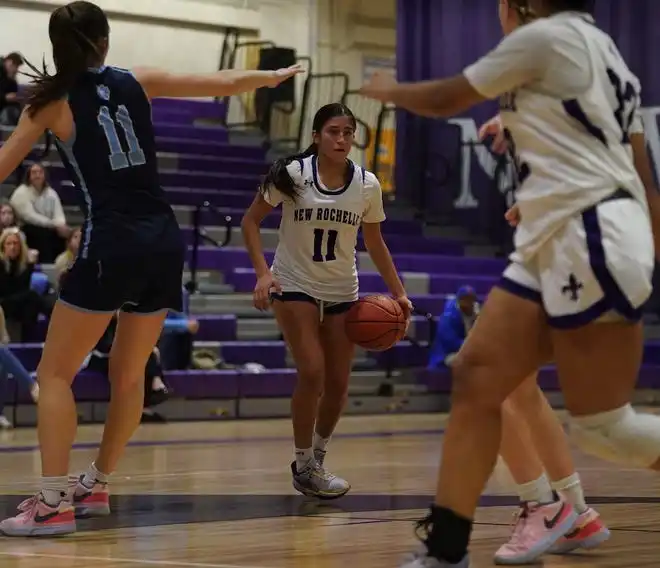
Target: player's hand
<point>379,87</point>
<point>406,306</point>
<point>282,75</point>
<point>266,285</point>
<point>512,216</point>
<point>494,128</point>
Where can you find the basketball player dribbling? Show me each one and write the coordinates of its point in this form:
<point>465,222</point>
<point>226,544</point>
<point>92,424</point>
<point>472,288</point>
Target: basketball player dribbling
<point>326,198</point>
<point>131,253</point>
<point>584,254</point>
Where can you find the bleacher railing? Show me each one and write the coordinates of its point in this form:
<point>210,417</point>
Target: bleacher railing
<point>292,124</point>
<point>201,236</point>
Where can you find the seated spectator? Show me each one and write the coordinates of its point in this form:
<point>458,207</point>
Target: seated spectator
<point>10,108</point>
<point>39,210</point>
<point>7,216</point>
<point>11,366</point>
<point>176,341</point>
<point>20,302</point>
<point>65,259</point>
<point>453,326</point>
<point>155,390</point>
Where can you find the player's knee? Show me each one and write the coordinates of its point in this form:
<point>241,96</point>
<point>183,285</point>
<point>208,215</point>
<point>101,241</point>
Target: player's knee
<point>622,436</point>
<point>473,383</point>
<point>123,381</point>
<point>311,377</point>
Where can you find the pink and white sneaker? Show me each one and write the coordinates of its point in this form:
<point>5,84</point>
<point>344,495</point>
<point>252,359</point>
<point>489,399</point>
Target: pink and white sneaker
<point>37,518</point>
<point>588,532</point>
<point>536,530</point>
<point>94,502</point>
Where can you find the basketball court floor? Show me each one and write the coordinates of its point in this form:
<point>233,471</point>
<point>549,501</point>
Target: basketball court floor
<point>219,495</point>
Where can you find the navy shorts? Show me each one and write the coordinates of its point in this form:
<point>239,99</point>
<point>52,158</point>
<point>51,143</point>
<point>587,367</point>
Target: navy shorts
<point>328,308</point>
<point>142,284</point>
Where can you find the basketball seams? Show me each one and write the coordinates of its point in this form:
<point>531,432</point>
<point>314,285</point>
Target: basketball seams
<point>382,312</point>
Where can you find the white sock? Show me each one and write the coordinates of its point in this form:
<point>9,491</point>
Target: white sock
<point>54,489</point>
<point>92,475</point>
<point>538,491</point>
<point>571,488</point>
<point>303,457</point>
<point>320,443</point>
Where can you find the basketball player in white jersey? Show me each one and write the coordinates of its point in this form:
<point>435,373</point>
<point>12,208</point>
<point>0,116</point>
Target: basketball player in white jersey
<point>326,198</point>
<point>584,254</point>
<point>537,453</point>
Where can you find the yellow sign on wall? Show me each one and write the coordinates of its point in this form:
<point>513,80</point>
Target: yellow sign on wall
<point>386,157</point>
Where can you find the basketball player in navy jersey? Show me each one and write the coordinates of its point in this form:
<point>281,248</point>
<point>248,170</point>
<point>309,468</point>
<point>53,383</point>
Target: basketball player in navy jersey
<point>131,253</point>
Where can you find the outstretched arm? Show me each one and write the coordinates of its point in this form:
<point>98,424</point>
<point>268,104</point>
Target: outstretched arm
<point>521,58</point>
<point>159,83</point>
<point>21,141</point>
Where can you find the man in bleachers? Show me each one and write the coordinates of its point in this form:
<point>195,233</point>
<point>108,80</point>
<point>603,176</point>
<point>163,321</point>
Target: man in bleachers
<point>453,326</point>
<point>10,108</point>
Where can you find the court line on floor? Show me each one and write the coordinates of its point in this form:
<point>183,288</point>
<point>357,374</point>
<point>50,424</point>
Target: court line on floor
<point>115,560</point>
<point>235,440</point>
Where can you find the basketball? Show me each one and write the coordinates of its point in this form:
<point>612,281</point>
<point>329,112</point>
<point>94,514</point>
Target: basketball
<point>376,323</point>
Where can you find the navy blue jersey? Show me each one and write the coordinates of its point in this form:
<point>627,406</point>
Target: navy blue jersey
<point>111,158</point>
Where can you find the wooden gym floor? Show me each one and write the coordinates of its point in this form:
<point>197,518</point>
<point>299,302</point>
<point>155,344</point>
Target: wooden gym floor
<point>219,495</point>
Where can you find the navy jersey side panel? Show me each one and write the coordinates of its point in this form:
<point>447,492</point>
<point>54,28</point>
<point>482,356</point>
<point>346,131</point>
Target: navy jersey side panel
<point>111,159</point>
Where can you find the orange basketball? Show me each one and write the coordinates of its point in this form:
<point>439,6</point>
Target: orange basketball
<point>375,323</point>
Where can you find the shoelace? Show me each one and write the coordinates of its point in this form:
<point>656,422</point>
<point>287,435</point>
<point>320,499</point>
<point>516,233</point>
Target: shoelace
<point>519,520</point>
<point>322,472</point>
<point>29,504</point>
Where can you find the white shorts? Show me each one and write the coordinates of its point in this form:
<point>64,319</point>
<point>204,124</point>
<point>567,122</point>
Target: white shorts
<point>597,267</point>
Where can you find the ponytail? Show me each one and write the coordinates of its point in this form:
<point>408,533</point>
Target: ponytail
<point>73,52</point>
<point>278,176</point>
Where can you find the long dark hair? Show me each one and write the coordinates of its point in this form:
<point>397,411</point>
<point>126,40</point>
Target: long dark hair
<point>278,176</point>
<point>28,174</point>
<point>76,32</point>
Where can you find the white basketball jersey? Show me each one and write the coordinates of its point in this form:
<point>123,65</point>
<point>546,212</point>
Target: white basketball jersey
<point>318,232</point>
<point>571,105</point>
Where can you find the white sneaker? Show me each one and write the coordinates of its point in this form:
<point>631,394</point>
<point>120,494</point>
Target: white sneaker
<point>314,481</point>
<point>4,423</point>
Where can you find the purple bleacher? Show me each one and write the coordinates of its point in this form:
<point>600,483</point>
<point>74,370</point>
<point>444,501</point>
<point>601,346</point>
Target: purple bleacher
<point>198,107</point>
<point>234,166</point>
<point>182,178</point>
<point>208,148</point>
<point>237,257</point>
<point>439,381</point>
<point>201,165</point>
<point>436,263</point>
<point>221,327</point>
<point>230,384</point>
<point>204,384</point>
<point>272,221</point>
<point>190,132</point>
<point>243,279</point>
<point>212,327</point>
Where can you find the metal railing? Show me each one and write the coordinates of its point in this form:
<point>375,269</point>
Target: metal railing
<point>291,124</point>
<point>200,236</point>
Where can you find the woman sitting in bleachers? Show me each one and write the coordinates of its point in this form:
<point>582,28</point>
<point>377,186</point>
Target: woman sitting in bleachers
<point>65,259</point>
<point>39,210</point>
<point>21,303</point>
<point>7,215</point>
